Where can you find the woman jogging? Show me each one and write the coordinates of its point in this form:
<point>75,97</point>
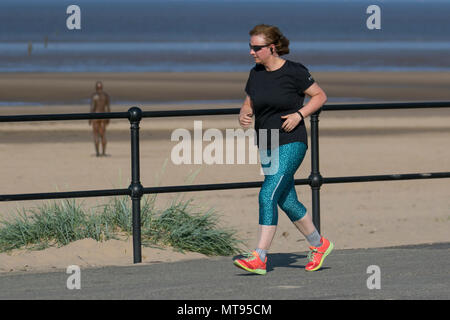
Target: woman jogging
<point>275,91</point>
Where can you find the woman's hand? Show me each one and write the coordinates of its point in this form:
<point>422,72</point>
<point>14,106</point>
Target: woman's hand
<point>292,120</point>
<point>246,113</point>
<point>245,119</point>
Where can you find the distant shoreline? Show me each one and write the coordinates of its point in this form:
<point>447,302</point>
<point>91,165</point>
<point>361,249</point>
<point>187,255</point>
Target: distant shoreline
<point>210,87</point>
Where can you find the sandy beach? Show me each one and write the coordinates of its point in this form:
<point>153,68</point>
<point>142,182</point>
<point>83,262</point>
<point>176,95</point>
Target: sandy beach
<point>59,156</point>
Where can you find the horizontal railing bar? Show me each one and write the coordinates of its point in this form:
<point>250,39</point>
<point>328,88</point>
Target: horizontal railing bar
<point>242,185</point>
<point>209,187</point>
<point>387,177</point>
<point>65,116</point>
<point>392,105</point>
<point>183,113</point>
<point>62,195</point>
<point>218,186</point>
<point>206,112</point>
<point>331,107</point>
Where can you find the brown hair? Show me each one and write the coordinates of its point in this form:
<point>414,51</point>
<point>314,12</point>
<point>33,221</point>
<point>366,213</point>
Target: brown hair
<point>272,35</point>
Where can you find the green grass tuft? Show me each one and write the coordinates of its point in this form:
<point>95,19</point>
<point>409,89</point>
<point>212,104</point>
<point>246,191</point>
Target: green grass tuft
<point>178,226</point>
<point>184,230</point>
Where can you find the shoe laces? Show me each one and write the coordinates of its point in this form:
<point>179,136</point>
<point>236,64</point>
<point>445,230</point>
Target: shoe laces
<point>248,256</point>
<point>311,254</point>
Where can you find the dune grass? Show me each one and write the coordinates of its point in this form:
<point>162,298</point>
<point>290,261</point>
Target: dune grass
<point>181,226</point>
<point>53,223</point>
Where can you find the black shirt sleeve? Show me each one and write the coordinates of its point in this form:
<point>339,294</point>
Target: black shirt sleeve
<point>303,78</point>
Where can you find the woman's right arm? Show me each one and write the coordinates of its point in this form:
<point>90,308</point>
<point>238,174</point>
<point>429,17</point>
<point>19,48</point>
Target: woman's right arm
<point>246,113</point>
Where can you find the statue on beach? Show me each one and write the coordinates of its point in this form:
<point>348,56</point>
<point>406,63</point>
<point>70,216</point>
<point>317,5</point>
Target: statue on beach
<point>99,103</point>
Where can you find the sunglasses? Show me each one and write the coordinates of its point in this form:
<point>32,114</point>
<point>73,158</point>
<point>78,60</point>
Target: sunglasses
<point>257,48</point>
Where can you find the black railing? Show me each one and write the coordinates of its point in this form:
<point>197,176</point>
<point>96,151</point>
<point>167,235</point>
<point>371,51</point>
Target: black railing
<point>136,190</point>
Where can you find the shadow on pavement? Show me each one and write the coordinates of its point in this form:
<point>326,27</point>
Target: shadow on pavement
<point>282,260</point>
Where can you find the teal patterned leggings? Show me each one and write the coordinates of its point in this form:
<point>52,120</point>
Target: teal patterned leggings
<point>278,187</point>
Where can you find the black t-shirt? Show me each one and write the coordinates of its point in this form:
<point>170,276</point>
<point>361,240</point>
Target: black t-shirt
<point>278,93</point>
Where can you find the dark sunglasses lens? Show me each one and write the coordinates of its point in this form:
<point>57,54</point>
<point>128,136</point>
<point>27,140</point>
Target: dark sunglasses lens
<point>255,48</point>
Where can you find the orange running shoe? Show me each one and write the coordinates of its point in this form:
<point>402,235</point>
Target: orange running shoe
<point>252,263</point>
<point>317,255</point>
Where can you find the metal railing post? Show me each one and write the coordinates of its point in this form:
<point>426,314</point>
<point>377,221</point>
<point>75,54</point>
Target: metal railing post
<point>136,188</point>
<point>315,178</point>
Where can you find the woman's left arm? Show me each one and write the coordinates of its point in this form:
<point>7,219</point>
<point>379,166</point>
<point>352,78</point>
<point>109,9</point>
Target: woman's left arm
<point>318,99</point>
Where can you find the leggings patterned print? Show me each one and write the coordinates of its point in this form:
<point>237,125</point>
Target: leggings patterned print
<point>278,187</point>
